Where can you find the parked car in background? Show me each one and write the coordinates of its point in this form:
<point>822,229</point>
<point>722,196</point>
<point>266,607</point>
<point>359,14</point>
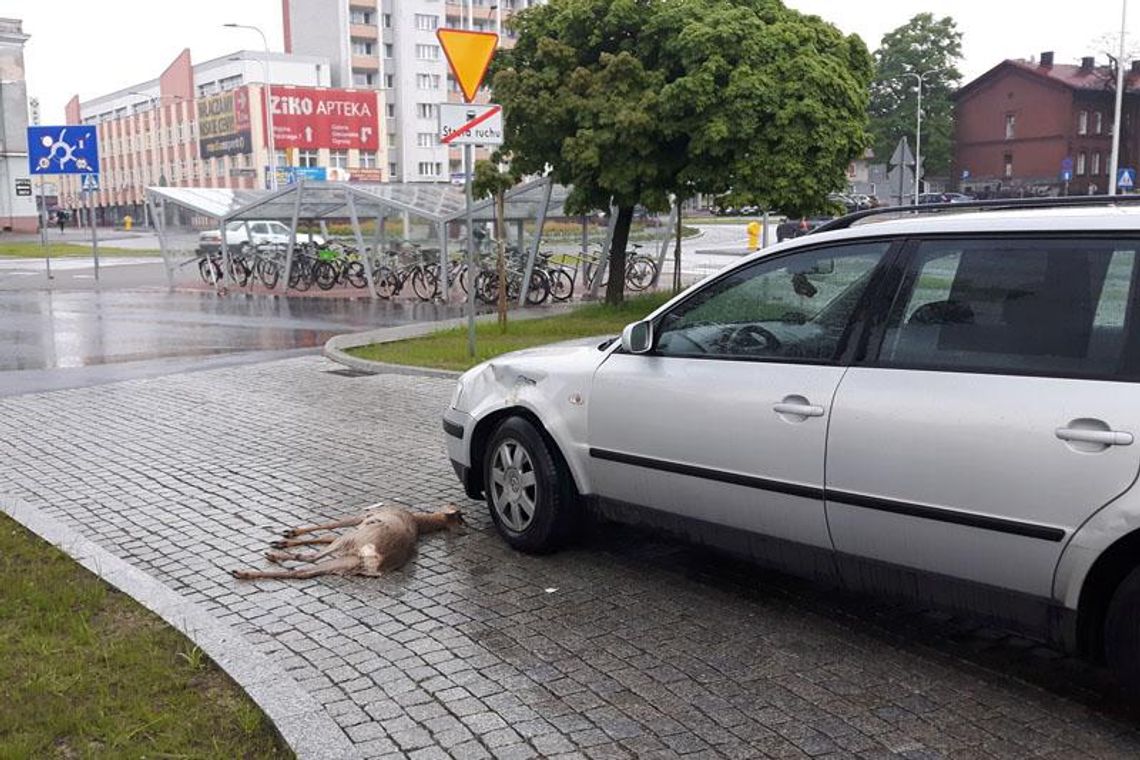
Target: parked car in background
<point>972,379</point>
<point>793,228</point>
<point>925,198</point>
<point>251,233</point>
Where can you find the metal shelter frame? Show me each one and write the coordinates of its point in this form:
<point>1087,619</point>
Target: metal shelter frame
<point>438,204</point>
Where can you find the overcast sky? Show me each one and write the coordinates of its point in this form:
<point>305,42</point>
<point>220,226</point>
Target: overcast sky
<point>91,48</point>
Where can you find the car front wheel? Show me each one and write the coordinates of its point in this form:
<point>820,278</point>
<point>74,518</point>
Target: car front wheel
<point>529,489</point>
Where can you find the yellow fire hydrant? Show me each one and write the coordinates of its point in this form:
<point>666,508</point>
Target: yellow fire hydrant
<point>753,235</point>
<point>127,222</point>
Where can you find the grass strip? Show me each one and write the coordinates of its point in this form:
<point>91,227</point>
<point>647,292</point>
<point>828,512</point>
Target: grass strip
<point>64,250</point>
<point>447,349</point>
<point>88,672</point>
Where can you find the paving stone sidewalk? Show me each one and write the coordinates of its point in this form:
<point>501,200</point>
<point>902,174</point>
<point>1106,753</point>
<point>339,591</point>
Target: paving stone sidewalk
<point>626,646</point>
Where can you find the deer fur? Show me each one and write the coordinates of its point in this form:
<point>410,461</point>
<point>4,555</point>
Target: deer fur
<point>382,539</point>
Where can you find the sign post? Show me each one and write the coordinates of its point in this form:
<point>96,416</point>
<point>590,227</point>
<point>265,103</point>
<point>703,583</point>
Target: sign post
<point>90,187</point>
<point>66,149</point>
<point>468,54</point>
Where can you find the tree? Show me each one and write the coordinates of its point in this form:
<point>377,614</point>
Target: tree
<point>922,44</point>
<point>631,100</point>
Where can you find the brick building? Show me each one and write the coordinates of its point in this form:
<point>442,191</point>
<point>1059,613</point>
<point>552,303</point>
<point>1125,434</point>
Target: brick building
<point>1015,125</point>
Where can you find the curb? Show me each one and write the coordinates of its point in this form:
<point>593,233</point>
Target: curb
<point>335,346</point>
<point>298,718</point>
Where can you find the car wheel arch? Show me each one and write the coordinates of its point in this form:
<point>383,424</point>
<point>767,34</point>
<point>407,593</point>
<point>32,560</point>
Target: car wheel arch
<point>1105,575</point>
<point>485,428</point>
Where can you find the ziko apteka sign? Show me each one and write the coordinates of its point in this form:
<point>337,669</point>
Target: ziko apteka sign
<point>224,124</point>
<point>311,117</point>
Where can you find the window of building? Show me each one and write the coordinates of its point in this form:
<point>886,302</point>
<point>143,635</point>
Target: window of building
<point>362,47</point>
<point>392,171</point>
<point>388,49</point>
<point>427,81</point>
<point>389,81</point>
<point>391,139</point>
<point>1010,121</point>
<point>390,110</point>
<point>429,169</point>
<point>307,158</point>
<point>1007,162</point>
<point>1083,123</point>
<point>363,78</point>
<point>368,159</point>
<point>425,110</point>
<point>426,22</point>
<point>1082,161</point>
<point>1095,164</point>
<point>338,158</point>
<point>282,158</point>
<point>1098,122</point>
<point>362,17</point>
<point>387,20</point>
<point>425,140</point>
<point>229,83</point>
<point>427,52</point>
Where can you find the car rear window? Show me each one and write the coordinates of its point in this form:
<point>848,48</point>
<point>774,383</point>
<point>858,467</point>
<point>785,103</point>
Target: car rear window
<point>1048,306</point>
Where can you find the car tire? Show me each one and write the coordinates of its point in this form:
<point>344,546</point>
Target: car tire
<point>536,516</point>
<point>1122,631</point>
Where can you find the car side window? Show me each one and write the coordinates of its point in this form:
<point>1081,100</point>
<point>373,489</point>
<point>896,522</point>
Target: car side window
<point>1044,306</point>
<point>259,229</point>
<point>790,307</point>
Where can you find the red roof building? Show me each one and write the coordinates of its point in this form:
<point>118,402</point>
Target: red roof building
<point>1019,125</point>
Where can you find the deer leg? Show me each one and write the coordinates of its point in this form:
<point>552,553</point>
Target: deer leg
<point>279,556</point>
<point>340,565</point>
<point>285,543</point>
<point>345,523</point>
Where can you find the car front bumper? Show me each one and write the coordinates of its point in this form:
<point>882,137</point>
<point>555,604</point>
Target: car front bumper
<point>457,429</point>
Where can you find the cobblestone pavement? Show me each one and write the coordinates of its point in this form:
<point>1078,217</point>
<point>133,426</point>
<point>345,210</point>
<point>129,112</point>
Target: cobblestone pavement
<point>628,645</point>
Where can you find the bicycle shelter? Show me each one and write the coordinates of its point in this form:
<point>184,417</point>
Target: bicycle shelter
<point>439,205</point>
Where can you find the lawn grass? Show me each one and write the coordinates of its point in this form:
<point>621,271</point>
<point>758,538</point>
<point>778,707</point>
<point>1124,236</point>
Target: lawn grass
<point>447,349</point>
<point>64,250</point>
<point>86,671</point>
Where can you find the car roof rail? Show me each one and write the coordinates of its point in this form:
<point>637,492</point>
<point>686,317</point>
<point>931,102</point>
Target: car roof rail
<point>998,204</point>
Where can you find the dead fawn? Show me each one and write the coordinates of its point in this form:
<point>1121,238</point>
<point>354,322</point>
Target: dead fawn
<point>383,538</point>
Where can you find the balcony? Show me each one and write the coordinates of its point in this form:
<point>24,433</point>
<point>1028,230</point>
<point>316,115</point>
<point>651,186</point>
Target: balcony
<point>363,31</point>
<point>365,63</point>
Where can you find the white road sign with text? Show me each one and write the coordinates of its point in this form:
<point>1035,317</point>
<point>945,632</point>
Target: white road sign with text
<point>470,124</point>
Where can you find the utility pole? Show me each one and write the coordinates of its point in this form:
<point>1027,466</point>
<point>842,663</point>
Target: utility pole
<point>1114,161</point>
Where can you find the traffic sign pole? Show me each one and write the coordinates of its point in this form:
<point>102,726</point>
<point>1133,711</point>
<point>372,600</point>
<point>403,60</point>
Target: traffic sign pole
<point>43,228</point>
<point>469,160</point>
<point>94,234</point>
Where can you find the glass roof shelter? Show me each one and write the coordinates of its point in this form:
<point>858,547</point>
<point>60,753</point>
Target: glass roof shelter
<point>437,204</point>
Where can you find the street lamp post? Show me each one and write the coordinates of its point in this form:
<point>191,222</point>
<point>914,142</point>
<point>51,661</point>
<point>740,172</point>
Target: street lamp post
<point>1114,160</point>
<point>918,126</point>
<point>268,103</point>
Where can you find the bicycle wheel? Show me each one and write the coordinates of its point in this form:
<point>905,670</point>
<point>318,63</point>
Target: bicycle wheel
<point>424,283</point>
<point>304,274</point>
<point>487,286</point>
<point>639,273</point>
<point>385,282</point>
<point>209,271</point>
<point>588,270</point>
<point>326,274</point>
<point>268,272</point>
<point>561,284</point>
<point>539,289</point>
<point>240,271</point>
<point>355,275</point>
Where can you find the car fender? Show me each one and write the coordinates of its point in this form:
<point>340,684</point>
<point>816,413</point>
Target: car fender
<point>556,398</point>
<point>1108,525</point>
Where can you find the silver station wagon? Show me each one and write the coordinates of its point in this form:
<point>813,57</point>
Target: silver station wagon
<point>941,407</point>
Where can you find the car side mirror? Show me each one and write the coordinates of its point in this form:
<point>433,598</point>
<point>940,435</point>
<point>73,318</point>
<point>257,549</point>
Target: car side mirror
<point>637,338</point>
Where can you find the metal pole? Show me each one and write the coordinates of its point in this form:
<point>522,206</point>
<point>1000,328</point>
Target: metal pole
<point>163,245</point>
<point>541,223</point>
<point>268,103</point>
<point>764,230</point>
<point>918,139</point>
<point>360,245</point>
<point>604,260</point>
<point>43,228</point>
<point>673,211</point>
<point>292,235</point>
<point>1114,161</point>
<point>468,160</point>
<point>94,235</point>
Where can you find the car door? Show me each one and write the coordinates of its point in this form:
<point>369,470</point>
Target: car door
<point>999,413</point>
<point>725,419</point>
<point>259,232</point>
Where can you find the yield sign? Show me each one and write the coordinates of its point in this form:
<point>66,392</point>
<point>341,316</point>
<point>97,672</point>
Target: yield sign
<point>469,54</point>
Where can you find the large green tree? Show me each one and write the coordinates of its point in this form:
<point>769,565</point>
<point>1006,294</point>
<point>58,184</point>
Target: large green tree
<point>632,100</point>
<point>924,44</point>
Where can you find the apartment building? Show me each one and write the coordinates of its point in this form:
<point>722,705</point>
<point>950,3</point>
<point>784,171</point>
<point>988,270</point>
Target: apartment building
<point>17,205</point>
<point>205,125</point>
<point>391,45</point>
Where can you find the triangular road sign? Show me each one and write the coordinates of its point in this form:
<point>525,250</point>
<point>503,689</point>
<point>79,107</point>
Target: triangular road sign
<point>902,155</point>
<point>469,54</point>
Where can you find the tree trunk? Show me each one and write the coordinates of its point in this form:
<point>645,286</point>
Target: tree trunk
<point>677,250</point>
<point>615,289</point>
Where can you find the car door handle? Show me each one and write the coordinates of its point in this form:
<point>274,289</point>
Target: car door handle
<point>799,410</point>
<point>1101,437</point>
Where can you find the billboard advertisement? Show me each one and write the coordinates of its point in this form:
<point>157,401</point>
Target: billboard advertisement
<point>224,124</point>
<point>310,118</point>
